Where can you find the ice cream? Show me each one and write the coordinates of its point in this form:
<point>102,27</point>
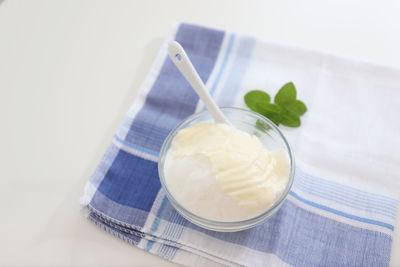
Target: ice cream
<point>224,174</point>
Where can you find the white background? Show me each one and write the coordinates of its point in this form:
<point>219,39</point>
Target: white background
<point>69,71</point>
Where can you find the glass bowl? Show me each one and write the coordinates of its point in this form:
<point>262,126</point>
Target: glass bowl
<point>249,122</point>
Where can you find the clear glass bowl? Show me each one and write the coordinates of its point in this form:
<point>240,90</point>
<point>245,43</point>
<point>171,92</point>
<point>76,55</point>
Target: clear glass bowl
<point>247,121</point>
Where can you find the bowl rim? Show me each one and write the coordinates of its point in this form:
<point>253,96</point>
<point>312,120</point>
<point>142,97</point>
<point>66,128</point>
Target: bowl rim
<point>221,225</point>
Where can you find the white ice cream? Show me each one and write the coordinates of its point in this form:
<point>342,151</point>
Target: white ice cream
<point>224,174</point>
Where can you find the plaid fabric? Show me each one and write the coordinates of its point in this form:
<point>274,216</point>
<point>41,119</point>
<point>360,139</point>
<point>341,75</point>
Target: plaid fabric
<point>330,218</point>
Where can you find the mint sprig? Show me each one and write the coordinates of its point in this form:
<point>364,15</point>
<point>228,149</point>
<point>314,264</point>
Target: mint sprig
<point>285,110</point>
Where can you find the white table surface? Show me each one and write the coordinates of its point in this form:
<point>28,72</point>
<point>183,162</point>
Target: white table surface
<point>69,71</point>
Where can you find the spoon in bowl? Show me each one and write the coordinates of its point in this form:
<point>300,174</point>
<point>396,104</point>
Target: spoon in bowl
<point>185,66</point>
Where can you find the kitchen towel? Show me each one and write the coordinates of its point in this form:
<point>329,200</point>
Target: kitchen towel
<point>342,208</point>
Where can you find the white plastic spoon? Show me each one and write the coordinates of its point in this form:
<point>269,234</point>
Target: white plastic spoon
<point>185,66</point>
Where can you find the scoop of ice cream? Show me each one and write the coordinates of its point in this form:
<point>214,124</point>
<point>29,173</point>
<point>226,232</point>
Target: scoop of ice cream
<point>244,169</point>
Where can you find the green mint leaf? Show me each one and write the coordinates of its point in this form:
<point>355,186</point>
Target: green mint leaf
<point>275,118</point>
<point>297,107</point>
<point>256,96</point>
<point>286,95</point>
<point>290,119</point>
<point>286,110</point>
<point>269,108</point>
<point>271,111</point>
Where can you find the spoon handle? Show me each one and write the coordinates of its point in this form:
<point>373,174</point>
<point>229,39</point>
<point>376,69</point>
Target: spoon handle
<point>185,66</point>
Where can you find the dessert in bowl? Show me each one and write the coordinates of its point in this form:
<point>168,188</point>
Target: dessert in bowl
<point>226,177</point>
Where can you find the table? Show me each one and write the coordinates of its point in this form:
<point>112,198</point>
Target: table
<point>69,71</point>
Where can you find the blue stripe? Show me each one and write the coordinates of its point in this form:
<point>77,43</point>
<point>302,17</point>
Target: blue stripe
<point>224,62</point>
<point>341,198</point>
<point>157,221</point>
<point>149,245</point>
<point>240,63</point>
<point>172,231</point>
<point>362,197</point>
<point>323,183</point>
<point>136,147</point>
<point>343,214</point>
<point>167,251</point>
<point>351,193</point>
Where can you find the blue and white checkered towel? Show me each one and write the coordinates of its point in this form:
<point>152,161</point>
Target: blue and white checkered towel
<point>342,208</point>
